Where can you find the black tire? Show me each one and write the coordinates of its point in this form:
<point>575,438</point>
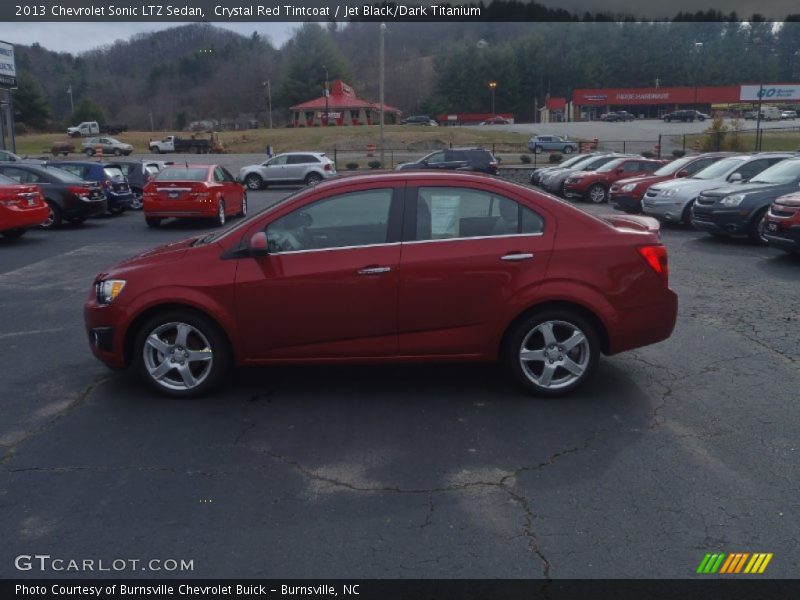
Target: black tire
<point>220,218</point>
<point>155,150</point>
<point>136,202</point>
<point>526,334</point>
<point>89,152</point>
<point>152,222</point>
<point>13,234</point>
<point>195,150</point>
<point>537,149</point>
<point>76,220</point>
<point>117,152</point>
<point>253,181</point>
<point>568,150</point>
<point>145,355</point>
<point>597,193</point>
<point>116,211</point>
<point>243,212</point>
<point>686,215</point>
<point>55,216</point>
<point>756,229</point>
<point>313,178</point>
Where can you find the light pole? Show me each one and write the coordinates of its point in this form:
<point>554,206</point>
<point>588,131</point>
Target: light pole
<point>325,92</point>
<point>71,103</point>
<point>698,50</point>
<point>493,87</point>
<point>381,78</point>
<point>268,84</point>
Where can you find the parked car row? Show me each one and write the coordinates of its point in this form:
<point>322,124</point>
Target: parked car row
<point>728,194</point>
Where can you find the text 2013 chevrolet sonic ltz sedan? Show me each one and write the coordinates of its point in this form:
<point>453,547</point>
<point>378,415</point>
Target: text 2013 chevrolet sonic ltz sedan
<point>388,268</point>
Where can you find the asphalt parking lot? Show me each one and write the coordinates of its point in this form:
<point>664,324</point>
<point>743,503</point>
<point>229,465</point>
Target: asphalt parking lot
<point>448,471</point>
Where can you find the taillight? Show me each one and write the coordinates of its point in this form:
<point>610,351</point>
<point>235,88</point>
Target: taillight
<point>327,166</point>
<point>10,202</point>
<point>107,183</point>
<point>656,256</point>
<point>78,190</point>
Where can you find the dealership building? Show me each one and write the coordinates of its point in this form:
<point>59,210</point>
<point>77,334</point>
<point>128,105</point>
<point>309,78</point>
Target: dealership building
<point>654,102</point>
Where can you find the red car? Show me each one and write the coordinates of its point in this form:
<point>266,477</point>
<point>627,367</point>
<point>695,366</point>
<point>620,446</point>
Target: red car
<point>22,207</point>
<point>782,223</point>
<point>626,194</point>
<point>594,185</point>
<point>191,191</point>
<point>406,266</point>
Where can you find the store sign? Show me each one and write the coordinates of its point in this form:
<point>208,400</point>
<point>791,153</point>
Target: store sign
<point>634,96</point>
<point>8,69</point>
<point>770,92</point>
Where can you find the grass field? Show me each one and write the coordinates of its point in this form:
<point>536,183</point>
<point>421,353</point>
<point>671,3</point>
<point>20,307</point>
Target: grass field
<point>416,139</point>
<point>771,141</point>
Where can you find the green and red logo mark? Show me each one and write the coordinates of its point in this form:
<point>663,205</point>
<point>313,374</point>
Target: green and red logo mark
<point>734,563</point>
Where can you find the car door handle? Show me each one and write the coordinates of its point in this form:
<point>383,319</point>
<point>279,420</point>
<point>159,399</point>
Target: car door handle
<point>374,270</point>
<point>517,256</point>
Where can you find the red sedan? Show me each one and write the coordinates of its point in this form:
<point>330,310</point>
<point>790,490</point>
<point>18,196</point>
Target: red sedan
<point>594,185</point>
<point>22,207</point>
<point>192,191</point>
<point>407,266</point>
<point>626,194</point>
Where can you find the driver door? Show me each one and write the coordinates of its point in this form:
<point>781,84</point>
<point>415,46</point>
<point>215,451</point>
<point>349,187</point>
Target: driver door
<point>275,169</point>
<point>328,288</point>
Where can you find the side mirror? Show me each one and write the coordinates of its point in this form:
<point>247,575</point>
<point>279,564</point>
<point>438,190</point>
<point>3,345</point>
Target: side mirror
<point>682,173</point>
<point>258,244</point>
<point>735,178</point>
<point>237,179</point>
<point>620,170</point>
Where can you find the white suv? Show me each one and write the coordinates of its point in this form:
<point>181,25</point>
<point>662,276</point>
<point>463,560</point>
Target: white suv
<point>291,167</point>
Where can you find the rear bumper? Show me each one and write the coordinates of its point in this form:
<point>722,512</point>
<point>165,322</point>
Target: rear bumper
<point>117,201</point>
<point>22,218</point>
<point>643,326</point>
<point>179,209</point>
<point>77,208</point>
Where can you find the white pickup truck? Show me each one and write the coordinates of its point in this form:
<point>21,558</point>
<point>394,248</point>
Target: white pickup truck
<point>172,143</point>
<point>88,128</point>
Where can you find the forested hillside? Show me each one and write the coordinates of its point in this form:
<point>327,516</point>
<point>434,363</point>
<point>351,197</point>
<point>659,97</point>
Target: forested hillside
<point>194,72</point>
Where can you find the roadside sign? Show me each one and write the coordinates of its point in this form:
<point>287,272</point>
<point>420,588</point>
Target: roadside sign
<point>8,68</point>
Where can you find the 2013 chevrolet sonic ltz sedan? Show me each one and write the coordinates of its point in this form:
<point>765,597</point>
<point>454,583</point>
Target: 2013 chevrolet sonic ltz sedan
<point>409,266</point>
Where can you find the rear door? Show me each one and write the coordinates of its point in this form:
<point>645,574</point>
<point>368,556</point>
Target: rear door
<point>466,253</point>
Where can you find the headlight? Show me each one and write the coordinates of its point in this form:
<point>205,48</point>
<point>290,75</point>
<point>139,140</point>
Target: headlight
<point>668,193</point>
<point>733,200</point>
<point>629,187</point>
<point>108,290</point>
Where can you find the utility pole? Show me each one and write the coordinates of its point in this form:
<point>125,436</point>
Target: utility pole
<point>325,91</point>
<point>71,103</point>
<point>269,102</point>
<point>758,117</point>
<point>381,86</point>
<point>493,87</point>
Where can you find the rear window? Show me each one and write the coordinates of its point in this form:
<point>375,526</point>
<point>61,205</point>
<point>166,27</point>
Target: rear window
<point>62,175</point>
<point>113,173</point>
<point>151,169</point>
<point>183,174</point>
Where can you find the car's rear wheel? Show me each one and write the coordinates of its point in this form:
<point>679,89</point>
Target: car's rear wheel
<point>221,213</point>
<point>180,353</point>
<point>13,234</point>
<point>117,152</point>
<point>537,149</point>
<point>136,201</point>
<point>567,149</point>
<point>686,215</point>
<point>313,178</point>
<point>553,352</point>
<point>598,193</point>
<point>90,152</point>
<point>152,221</point>
<point>76,220</point>
<point>155,150</point>
<point>54,217</point>
<point>253,181</point>
<point>243,212</point>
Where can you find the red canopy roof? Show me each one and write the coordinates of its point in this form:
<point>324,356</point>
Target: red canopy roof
<point>342,97</point>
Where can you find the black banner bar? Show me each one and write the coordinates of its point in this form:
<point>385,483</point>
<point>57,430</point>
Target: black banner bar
<point>740,588</point>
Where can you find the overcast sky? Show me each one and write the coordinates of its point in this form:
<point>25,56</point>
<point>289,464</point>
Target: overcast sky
<point>79,37</point>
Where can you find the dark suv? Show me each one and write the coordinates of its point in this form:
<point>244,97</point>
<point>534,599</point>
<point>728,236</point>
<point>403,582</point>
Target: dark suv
<point>138,173</point>
<point>617,116</point>
<point>418,120</point>
<point>456,159</point>
<point>687,116</point>
<point>108,175</point>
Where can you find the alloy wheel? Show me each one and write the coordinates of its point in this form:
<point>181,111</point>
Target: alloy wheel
<point>178,356</point>
<point>555,354</point>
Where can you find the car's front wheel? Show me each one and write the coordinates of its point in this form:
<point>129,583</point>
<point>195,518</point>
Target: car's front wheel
<point>180,353</point>
<point>136,201</point>
<point>313,178</point>
<point>758,228</point>
<point>253,181</point>
<point>597,193</point>
<point>553,352</point>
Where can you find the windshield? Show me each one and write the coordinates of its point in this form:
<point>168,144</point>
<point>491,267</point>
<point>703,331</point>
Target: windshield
<point>787,171</point>
<point>151,169</point>
<point>674,166</point>
<point>183,174</point>
<point>719,169</point>
<point>610,166</point>
<point>63,175</point>
<point>573,161</point>
<point>597,162</point>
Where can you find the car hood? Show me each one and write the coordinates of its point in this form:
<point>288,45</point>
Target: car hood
<point>648,179</point>
<point>745,188</point>
<point>158,255</point>
<point>790,199</point>
<point>690,185</point>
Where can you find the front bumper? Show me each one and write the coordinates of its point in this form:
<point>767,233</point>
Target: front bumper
<point>102,324</point>
<point>786,239</point>
<point>665,209</point>
<point>626,203</point>
<point>727,222</point>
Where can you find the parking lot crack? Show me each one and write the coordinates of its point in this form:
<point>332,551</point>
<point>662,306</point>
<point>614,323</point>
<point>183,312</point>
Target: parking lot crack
<point>79,399</point>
